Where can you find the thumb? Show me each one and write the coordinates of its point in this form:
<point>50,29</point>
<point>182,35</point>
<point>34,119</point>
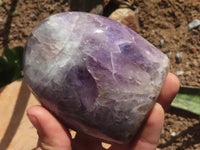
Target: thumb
<point>52,135</point>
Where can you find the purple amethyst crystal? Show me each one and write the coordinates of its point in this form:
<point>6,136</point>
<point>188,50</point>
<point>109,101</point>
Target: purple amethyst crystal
<point>95,75</point>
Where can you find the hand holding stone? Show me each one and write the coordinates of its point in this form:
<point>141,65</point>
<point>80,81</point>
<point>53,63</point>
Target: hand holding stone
<point>54,136</point>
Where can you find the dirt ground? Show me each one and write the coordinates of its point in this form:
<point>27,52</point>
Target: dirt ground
<point>168,20</point>
<point>163,22</point>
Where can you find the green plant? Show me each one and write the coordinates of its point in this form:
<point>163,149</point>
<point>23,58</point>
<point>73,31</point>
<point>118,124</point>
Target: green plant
<point>1,2</point>
<point>11,65</point>
<point>15,13</point>
<point>188,99</point>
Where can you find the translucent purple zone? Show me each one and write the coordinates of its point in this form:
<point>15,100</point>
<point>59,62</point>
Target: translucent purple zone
<point>95,75</point>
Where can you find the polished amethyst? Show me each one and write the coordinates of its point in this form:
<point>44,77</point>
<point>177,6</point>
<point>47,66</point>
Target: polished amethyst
<point>94,74</point>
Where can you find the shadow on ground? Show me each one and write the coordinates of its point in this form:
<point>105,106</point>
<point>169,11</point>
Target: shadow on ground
<point>188,137</point>
<point>18,112</point>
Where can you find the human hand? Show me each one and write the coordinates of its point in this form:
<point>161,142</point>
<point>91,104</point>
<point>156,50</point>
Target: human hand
<point>53,136</point>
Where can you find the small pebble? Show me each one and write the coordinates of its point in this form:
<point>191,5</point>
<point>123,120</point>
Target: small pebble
<point>10,36</point>
<point>193,50</point>
<point>179,73</point>
<point>173,134</point>
<point>169,54</point>
<point>127,17</point>
<point>162,42</point>
<point>178,57</point>
<point>67,4</point>
<point>194,24</point>
<point>195,63</point>
<point>137,10</point>
<point>188,73</point>
<point>187,63</point>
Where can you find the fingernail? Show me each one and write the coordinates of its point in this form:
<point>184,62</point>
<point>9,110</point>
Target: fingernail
<point>157,105</point>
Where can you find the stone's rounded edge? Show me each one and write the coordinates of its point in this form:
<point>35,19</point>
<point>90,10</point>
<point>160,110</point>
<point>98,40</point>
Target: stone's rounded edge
<point>51,104</point>
<point>78,13</point>
<point>90,131</point>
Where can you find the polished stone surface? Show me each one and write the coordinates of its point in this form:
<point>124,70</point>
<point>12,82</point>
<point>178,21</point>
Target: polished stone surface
<point>94,74</point>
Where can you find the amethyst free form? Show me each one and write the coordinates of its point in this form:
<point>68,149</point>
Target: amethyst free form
<point>94,74</point>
